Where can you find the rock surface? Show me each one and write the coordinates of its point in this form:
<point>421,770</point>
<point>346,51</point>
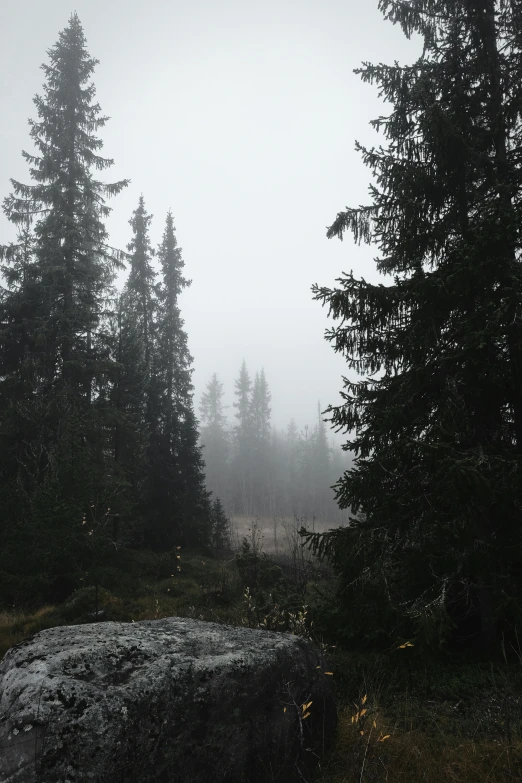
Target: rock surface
<point>163,700</point>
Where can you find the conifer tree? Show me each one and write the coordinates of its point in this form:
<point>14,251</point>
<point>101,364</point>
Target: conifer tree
<point>242,464</point>
<point>292,467</point>
<point>140,285</point>
<point>221,534</point>
<point>215,439</point>
<point>260,408</point>
<point>179,503</point>
<point>260,443</point>
<point>74,261</point>
<point>57,424</point>
<point>128,399</point>
<point>438,421</point>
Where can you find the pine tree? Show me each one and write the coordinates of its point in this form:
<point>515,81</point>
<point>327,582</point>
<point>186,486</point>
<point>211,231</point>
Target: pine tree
<point>57,425</point>
<point>260,444</point>
<point>75,264</point>
<point>436,483</point>
<point>18,307</point>
<point>305,504</point>
<point>292,468</point>
<point>242,464</point>
<point>221,534</point>
<point>135,389</point>
<point>215,440</point>
<point>128,398</point>
<point>179,503</point>
<point>260,407</point>
<point>140,285</point>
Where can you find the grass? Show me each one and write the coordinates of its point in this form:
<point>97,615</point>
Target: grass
<point>401,719</point>
<point>455,723</point>
<point>206,589</point>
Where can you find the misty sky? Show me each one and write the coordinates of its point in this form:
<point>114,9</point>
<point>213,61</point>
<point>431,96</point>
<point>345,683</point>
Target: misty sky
<point>241,117</point>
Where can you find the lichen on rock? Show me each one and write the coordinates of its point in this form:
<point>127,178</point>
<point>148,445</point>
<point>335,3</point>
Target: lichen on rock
<point>163,700</point>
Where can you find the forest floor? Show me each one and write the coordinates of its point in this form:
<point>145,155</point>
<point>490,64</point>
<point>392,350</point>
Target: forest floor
<point>400,720</point>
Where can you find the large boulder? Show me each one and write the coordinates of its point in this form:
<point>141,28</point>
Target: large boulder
<point>163,700</point>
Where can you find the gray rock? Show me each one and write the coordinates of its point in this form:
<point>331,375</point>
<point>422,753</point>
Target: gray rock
<point>164,700</point>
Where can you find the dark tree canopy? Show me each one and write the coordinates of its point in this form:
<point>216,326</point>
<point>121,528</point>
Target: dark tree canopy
<point>54,324</point>
<point>98,439</point>
<point>436,423</point>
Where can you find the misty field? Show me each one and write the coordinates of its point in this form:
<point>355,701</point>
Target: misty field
<point>278,534</point>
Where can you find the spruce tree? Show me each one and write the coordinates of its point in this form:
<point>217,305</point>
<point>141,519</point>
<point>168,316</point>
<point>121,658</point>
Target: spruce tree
<point>437,423</point>
<point>260,443</point>
<point>57,423</point>
<point>179,503</point>
<point>292,467</point>
<point>242,463</point>
<point>221,533</point>
<point>128,398</point>
<point>215,440</point>
<point>141,283</point>
<point>74,261</point>
<point>135,389</point>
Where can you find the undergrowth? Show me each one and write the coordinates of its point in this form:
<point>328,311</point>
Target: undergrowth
<point>401,721</point>
<point>402,718</point>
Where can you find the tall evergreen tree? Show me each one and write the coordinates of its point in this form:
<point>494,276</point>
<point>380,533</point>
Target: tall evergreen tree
<point>438,436</point>
<point>242,464</point>
<point>260,408</point>
<point>57,426</point>
<point>215,440</point>
<point>221,533</point>
<point>128,397</point>
<point>74,261</point>
<point>260,444</point>
<point>134,393</point>
<point>141,282</point>
<point>292,468</point>
<point>179,501</point>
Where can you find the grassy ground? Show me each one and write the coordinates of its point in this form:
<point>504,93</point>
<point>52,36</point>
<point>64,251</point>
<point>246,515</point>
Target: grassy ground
<point>204,588</point>
<point>401,720</point>
<point>460,722</point>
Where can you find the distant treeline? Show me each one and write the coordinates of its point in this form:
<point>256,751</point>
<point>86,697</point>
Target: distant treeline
<point>259,471</point>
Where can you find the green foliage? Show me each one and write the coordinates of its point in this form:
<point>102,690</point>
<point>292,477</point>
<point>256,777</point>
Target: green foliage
<point>436,424</point>
<point>98,439</point>
<point>221,536</point>
<point>257,571</point>
<point>56,367</point>
<point>178,505</point>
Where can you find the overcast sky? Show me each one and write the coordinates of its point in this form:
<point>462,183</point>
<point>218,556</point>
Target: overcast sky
<point>241,117</point>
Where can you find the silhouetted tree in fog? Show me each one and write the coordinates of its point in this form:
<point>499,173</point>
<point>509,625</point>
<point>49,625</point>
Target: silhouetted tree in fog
<point>215,440</point>
<point>260,444</point>
<point>242,458</point>
<point>55,456</point>
<point>180,497</point>
<point>438,420</point>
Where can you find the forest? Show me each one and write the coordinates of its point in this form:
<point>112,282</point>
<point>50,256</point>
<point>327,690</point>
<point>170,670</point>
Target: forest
<point>404,557</point>
<point>256,470</point>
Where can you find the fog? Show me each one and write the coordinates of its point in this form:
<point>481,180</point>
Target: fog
<point>241,117</point>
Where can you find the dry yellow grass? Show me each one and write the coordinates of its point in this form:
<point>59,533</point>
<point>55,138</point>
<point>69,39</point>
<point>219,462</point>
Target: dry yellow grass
<point>417,757</point>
